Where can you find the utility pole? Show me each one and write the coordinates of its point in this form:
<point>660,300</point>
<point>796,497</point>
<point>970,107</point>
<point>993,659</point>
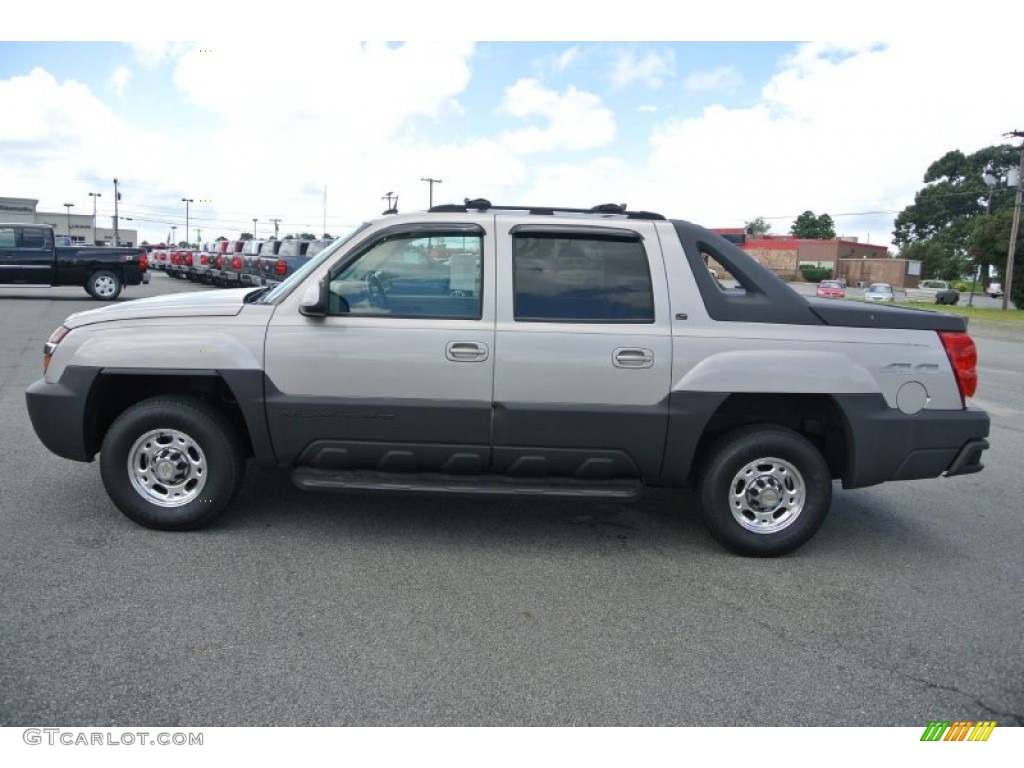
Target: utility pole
<point>431,182</point>
<point>1016,221</point>
<point>392,199</point>
<point>254,228</point>
<point>94,195</point>
<point>275,222</point>
<point>117,197</point>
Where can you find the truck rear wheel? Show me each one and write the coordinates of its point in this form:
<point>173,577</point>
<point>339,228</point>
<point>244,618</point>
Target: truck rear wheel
<point>103,285</point>
<point>764,490</point>
<point>172,463</point>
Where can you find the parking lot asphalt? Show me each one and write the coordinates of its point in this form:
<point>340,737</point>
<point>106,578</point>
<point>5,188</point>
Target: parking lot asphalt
<point>306,609</point>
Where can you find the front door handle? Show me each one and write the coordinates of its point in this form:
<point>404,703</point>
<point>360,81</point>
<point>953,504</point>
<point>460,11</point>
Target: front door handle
<point>466,351</point>
<point>633,357</point>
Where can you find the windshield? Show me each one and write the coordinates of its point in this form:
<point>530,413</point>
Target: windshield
<point>880,288</point>
<point>296,277</point>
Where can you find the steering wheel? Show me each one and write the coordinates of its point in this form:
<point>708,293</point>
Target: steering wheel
<point>375,291</point>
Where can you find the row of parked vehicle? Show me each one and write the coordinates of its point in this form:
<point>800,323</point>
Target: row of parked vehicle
<point>236,263</point>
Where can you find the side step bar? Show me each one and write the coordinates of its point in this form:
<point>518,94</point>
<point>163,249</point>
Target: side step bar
<point>310,479</point>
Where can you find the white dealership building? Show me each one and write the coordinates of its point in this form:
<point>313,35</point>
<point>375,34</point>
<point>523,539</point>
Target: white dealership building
<point>82,227</point>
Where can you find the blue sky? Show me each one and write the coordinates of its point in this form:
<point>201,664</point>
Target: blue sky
<point>716,132</point>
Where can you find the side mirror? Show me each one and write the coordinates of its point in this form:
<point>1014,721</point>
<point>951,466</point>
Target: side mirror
<point>314,300</point>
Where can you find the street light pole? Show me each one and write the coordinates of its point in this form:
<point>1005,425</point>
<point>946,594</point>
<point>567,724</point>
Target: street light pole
<point>117,197</point>
<point>69,206</point>
<point>254,229</point>
<point>94,195</point>
<point>186,201</point>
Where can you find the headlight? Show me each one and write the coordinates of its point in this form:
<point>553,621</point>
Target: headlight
<point>51,345</point>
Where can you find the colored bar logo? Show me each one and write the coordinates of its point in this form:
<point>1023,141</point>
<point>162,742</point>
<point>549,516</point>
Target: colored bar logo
<point>958,730</point>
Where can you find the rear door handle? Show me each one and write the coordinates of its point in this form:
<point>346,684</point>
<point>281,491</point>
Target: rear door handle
<point>466,351</point>
<point>633,357</point>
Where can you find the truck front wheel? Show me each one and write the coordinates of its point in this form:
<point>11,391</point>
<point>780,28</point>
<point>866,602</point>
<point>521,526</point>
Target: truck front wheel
<point>172,463</point>
<point>764,490</point>
<point>103,285</point>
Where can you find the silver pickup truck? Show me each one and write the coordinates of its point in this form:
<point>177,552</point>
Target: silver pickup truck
<point>476,349</point>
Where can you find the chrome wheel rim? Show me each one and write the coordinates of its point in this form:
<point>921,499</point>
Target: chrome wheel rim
<point>767,495</point>
<point>105,286</point>
<point>167,468</point>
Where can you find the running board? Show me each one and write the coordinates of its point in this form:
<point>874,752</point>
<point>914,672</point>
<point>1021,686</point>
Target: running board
<point>310,479</point>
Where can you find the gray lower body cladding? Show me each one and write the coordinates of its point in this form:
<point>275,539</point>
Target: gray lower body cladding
<point>885,444</point>
<point>593,443</point>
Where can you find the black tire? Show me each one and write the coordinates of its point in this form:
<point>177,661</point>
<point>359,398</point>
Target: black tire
<point>104,285</point>
<point>188,463</point>
<point>771,478</point>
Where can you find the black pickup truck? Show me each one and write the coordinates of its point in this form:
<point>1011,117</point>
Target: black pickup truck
<point>28,256</point>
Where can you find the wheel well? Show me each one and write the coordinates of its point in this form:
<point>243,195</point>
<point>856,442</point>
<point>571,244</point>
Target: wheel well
<point>816,417</point>
<point>112,394</point>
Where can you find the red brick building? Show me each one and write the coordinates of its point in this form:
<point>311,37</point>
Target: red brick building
<point>857,262</point>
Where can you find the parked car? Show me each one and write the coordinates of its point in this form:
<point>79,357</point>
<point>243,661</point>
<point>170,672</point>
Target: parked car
<point>29,256</point>
<point>549,354</point>
<point>202,261</point>
<point>830,289</point>
<point>227,267</point>
<point>293,253</point>
<point>879,292</point>
<point>251,254</point>
<point>934,292</point>
<point>995,290</point>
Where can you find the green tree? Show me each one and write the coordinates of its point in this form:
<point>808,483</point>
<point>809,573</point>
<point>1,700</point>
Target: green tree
<point>945,210</point>
<point>219,239</point>
<point>245,236</point>
<point>757,227</point>
<point>989,244</point>
<point>936,261</point>
<point>814,227</point>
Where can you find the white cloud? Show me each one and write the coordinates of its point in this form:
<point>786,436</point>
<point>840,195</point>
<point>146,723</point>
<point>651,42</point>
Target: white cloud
<point>151,53</point>
<point>567,58</point>
<point>838,130</point>
<point>651,69</point>
<point>725,78</point>
<point>119,80</point>
<point>575,119</point>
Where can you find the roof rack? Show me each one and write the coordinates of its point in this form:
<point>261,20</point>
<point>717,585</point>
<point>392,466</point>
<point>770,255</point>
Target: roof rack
<point>606,209</point>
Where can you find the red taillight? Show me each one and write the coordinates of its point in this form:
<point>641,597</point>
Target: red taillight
<point>236,263</point>
<point>188,259</point>
<point>204,260</point>
<point>143,261</point>
<point>963,356</point>
<point>281,267</point>
<point>176,259</point>
<point>219,262</point>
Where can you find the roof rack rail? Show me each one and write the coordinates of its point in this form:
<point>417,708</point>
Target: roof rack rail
<point>606,209</point>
